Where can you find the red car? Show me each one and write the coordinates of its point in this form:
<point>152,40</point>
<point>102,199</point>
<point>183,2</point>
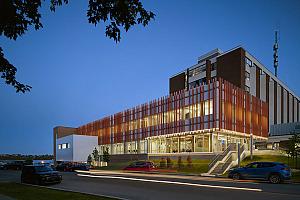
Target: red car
<point>141,166</point>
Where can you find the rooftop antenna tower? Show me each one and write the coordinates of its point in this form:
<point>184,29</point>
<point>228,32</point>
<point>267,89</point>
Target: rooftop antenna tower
<point>275,55</point>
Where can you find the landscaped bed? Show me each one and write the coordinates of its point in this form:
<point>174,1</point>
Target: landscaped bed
<point>27,192</point>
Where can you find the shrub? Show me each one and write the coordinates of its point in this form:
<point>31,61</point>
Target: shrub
<point>169,163</point>
<point>163,163</point>
<point>179,163</point>
<point>189,161</point>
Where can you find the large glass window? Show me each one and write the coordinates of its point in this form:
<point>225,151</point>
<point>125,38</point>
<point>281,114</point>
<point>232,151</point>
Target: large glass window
<point>208,107</point>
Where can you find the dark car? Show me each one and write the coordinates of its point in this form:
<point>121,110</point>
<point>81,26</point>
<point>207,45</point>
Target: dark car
<point>14,165</point>
<point>274,172</point>
<point>39,175</point>
<point>70,167</point>
<point>2,165</point>
<point>141,166</point>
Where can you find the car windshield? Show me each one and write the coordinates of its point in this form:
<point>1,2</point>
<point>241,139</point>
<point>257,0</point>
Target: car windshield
<point>43,168</point>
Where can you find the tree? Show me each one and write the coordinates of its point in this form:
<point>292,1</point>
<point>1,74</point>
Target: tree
<point>96,155</point>
<point>16,16</point>
<point>106,155</point>
<point>89,159</point>
<point>293,148</point>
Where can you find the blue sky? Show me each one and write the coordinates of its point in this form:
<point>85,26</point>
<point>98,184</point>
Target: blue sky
<point>78,75</point>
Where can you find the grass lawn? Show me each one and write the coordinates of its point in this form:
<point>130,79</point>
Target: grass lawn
<point>26,192</point>
<point>198,166</point>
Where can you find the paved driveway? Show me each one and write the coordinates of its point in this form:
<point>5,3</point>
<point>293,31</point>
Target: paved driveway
<point>151,186</point>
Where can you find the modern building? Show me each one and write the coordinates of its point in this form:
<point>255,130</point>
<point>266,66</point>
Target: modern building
<point>69,146</point>
<point>225,98</point>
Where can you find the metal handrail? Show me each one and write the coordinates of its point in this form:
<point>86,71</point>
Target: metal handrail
<point>220,156</point>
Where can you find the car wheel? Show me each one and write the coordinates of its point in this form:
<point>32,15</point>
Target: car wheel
<point>236,176</point>
<point>275,179</point>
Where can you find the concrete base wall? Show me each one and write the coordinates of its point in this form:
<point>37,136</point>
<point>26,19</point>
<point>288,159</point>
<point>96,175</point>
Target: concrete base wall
<point>173,156</point>
<point>127,157</point>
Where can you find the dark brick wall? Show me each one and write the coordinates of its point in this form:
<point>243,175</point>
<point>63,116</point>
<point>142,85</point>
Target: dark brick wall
<point>231,67</point>
<point>177,83</point>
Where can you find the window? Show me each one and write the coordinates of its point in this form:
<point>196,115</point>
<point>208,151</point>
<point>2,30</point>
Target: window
<point>208,110</point>
<point>64,146</point>
<point>247,88</point>
<point>213,66</point>
<point>263,165</point>
<point>252,165</point>
<point>248,62</point>
<point>247,75</point>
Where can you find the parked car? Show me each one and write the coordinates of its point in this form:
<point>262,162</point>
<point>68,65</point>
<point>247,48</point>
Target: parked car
<point>141,166</point>
<point>2,165</point>
<point>70,167</point>
<point>274,172</point>
<point>40,175</point>
<point>14,165</point>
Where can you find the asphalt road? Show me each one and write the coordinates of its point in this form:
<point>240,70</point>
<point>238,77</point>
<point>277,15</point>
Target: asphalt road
<point>152,186</point>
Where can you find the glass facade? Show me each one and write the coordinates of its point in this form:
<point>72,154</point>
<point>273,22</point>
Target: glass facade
<point>203,119</point>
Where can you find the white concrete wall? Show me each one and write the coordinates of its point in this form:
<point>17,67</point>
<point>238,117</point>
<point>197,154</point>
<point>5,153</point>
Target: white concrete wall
<point>80,146</point>
<point>83,146</point>
<point>290,108</point>
<point>271,102</point>
<point>64,154</point>
<point>295,109</point>
<point>299,111</point>
<point>284,112</point>
<point>279,111</point>
<point>253,80</point>
<point>263,89</point>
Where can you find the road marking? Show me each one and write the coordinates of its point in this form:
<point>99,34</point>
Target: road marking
<point>172,182</point>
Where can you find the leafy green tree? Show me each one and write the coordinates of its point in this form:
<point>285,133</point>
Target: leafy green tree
<point>106,157</point>
<point>16,16</point>
<point>89,159</point>
<point>96,155</point>
<point>293,148</point>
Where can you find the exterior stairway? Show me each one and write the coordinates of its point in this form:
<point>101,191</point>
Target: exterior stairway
<point>225,160</point>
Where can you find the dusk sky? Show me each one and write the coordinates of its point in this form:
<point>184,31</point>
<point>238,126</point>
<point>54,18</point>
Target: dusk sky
<point>78,75</point>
